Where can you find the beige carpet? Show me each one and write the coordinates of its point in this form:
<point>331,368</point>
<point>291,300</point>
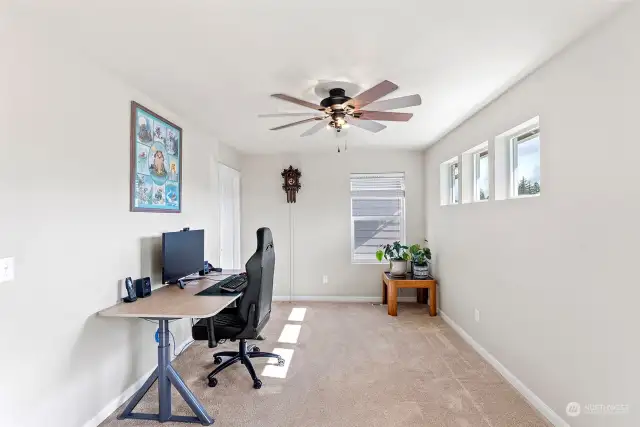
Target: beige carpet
<point>353,365</point>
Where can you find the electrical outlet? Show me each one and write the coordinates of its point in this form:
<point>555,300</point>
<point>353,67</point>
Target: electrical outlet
<point>477,315</point>
<point>6,270</point>
<point>325,279</point>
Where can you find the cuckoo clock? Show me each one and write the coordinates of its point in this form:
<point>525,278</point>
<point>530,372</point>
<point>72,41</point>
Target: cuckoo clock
<point>291,183</point>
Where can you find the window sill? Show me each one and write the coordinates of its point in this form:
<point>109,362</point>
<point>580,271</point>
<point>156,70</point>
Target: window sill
<point>524,196</point>
<point>359,261</point>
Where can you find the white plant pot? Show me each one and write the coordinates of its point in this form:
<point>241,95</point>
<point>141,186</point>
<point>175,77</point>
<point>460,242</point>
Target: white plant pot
<point>398,268</point>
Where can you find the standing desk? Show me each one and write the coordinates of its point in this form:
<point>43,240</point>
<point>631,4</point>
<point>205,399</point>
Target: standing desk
<point>164,304</point>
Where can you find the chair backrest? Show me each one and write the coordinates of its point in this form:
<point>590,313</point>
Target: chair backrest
<point>260,269</point>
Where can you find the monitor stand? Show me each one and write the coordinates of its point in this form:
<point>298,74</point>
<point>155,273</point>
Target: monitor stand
<point>181,282</point>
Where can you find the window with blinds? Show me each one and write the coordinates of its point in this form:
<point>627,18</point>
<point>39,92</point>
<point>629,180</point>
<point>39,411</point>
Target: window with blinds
<point>377,213</point>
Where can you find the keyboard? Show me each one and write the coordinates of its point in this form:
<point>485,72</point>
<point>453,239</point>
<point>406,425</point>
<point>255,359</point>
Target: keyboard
<point>233,283</point>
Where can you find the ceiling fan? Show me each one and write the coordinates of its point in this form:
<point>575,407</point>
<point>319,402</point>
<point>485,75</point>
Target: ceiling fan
<point>338,110</point>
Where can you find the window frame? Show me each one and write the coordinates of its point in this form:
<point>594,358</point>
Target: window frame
<point>526,134</point>
<point>401,218</point>
<point>453,166</point>
<point>477,156</point>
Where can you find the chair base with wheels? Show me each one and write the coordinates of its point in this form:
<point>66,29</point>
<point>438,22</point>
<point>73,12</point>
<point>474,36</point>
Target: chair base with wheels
<point>243,356</point>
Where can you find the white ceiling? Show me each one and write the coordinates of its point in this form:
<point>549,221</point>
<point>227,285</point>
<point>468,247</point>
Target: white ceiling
<point>216,62</point>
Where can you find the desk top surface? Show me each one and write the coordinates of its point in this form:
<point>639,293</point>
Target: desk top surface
<point>171,302</point>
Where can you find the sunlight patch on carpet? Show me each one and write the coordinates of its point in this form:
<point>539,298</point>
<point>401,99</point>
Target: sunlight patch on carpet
<point>297,314</point>
<point>272,369</point>
<point>289,334</point>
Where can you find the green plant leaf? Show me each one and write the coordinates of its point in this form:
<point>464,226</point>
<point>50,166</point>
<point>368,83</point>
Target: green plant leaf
<point>379,255</point>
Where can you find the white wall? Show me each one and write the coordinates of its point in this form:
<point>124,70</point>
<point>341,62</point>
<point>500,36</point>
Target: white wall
<point>321,217</point>
<point>556,277</point>
<point>64,216</point>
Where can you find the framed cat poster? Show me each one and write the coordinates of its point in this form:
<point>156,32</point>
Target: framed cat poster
<point>156,162</point>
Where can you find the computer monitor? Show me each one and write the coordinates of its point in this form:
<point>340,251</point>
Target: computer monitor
<point>182,254</point>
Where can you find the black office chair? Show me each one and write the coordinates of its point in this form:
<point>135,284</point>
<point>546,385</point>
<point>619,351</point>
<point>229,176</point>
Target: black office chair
<point>249,317</point>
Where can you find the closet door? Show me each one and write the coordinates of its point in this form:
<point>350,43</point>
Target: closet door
<point>229,191</point>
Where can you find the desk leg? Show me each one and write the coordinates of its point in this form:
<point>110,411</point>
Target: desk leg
<point>166,376</point>
<point>384,292</point>
<point>433,308</point>
<point>164,361</point>
<point>393,300</point>
<point>139,395</point>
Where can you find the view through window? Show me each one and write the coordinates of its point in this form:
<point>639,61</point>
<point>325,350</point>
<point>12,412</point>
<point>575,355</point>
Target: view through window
<point>482,175</point>
<point>454,182</point>
<point>526,164</point>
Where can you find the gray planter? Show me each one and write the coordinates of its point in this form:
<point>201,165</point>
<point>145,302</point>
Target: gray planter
<point>420,271</point>
<point>398,268</point>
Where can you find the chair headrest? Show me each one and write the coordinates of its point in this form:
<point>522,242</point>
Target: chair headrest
<point>265,239</point>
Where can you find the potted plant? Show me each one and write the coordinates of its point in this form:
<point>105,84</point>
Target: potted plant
<point>420,258</point>
<point>397,254</point>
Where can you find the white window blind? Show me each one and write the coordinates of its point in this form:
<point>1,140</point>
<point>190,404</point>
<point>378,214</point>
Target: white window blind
<point>377,213</point>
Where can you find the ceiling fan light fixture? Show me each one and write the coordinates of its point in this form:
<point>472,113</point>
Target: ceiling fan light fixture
<point>338,107</point>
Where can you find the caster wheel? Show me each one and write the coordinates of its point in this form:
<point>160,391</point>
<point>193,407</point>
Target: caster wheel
<point>255,349</point>
<point>257,384</point>
<point>217,360</point>
<point>280,362</point>
<point>213,382</point>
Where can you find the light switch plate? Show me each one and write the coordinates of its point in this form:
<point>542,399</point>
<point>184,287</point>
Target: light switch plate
<point>7,272</point>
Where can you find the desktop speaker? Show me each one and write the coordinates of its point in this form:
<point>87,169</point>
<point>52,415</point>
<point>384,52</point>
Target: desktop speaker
<point>143,287</point>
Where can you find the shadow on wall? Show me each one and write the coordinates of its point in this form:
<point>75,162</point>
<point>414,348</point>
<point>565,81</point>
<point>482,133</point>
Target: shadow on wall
<point>105,344</point>
<point>151,258</point>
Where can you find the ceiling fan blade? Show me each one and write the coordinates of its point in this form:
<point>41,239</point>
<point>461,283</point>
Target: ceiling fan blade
<point>312,119</point>
<point>385,116</point>
<point>369,125</point>
<point>315,128</point>
<point>373,94</point>
<point>298,101</point>
<point>289,114</point>
<point>395,103</point>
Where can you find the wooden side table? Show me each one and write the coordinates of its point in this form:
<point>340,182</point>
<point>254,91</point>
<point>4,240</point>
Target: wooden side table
<point>390,286</point>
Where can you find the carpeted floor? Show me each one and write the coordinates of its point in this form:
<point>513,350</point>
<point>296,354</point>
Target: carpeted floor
<point>353,365</point>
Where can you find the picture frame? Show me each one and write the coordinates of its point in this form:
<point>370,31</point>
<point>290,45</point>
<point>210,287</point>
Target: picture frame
<point>156,162</point>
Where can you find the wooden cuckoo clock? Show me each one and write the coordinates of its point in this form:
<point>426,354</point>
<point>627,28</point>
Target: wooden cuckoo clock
<point>291,183</point>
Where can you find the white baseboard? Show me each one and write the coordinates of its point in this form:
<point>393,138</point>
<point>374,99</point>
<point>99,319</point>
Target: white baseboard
<point>529,395</point>
<point>339,299</point>
<point>126,395</point>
